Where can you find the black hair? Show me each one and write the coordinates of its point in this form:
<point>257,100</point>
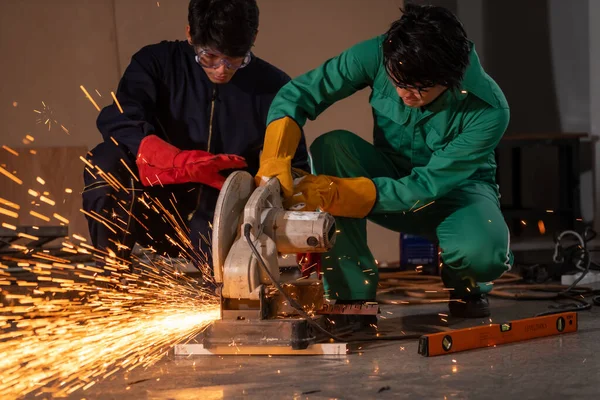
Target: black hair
<point>228,26</point>
<point>427,46</point>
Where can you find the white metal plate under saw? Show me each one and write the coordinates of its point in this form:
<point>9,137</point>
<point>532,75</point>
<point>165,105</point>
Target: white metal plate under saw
<point>319,349</point>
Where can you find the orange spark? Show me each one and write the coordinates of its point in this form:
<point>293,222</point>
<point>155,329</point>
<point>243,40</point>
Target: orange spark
<point>40,216</point>
<point>108,179</point>
<point>413,206</point>
<point>86,162</point>
<point>541,227</point>
<point>115,180</point>
<point>90,172</point>
<point>9,213</point>
<point>40,181</point>
<point>89,97</point>
<point>130,171</point>
<point>116,101</point>
<point>47,200</point>
<point>26,236</point>
<point>11,151</point>
<point>9,204</point>
<point>10,176</point>
<point>49,257</point>
<point>97,219</point>
<point>9,226</point>
<point>426,205</point>
<point>60,218</point>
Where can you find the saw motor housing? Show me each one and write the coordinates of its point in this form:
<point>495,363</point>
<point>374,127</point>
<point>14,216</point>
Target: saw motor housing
<point>274,232</point>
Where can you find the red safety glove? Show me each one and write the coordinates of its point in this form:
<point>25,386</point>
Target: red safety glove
<point>162,163</point>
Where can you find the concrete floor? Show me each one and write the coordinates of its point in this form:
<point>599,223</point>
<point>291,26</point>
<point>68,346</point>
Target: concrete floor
<point>564,367</point>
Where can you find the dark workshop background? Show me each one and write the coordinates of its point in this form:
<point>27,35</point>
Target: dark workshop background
<point>541,52</point>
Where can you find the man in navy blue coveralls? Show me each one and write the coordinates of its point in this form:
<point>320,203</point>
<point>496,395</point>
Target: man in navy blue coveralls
<point>192,111</point>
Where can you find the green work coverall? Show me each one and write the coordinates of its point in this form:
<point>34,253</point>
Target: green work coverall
<point>440,156</point>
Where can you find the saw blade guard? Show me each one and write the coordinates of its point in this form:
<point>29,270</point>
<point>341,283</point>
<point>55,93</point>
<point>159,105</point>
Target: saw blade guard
<point>229,209</point>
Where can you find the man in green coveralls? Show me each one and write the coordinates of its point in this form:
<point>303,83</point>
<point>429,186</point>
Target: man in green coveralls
<point>437,119</point>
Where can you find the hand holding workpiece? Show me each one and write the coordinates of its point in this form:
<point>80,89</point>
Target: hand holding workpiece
<point>341,197</point>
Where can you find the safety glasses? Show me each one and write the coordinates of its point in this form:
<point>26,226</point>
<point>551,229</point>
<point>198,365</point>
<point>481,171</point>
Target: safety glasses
<point>211,59</point>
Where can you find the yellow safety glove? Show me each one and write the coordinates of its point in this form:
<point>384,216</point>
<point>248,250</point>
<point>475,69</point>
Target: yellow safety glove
<point>341,197</point>
<point>281,141</point>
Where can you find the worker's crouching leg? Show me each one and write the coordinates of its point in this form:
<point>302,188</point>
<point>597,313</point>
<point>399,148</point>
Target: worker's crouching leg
<point>475,242</point>
<point>109,232</point>
<point>349,269</point>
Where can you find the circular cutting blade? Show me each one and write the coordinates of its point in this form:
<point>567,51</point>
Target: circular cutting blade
<point>230,207</point>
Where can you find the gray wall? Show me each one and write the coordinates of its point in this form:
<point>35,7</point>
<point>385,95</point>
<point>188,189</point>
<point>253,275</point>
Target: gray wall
<point>571,51</point>
<point>539,51</point>
<point>570,55</point>
<point>594,107</point>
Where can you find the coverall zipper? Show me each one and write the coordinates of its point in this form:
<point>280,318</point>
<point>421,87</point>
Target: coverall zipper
<point>210,121</point>
<point>210,129</point>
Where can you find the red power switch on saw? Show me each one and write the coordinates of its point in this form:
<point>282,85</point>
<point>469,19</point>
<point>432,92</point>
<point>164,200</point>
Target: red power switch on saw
<point>309,263</point>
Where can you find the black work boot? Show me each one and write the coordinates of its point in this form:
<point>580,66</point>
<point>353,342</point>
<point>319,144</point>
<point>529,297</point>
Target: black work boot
<point>471,306</point>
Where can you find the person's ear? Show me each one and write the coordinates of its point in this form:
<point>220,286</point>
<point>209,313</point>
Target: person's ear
<point>188,35</point>
<point>255,35</point>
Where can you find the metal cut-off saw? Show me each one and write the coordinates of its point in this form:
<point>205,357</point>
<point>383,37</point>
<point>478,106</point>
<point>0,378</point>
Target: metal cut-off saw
<point>263,303</point>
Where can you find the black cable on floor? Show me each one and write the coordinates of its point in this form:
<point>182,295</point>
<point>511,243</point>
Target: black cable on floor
<point>581,306</point>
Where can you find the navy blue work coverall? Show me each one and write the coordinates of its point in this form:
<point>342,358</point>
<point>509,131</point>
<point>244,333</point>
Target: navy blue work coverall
<point>166,93</point>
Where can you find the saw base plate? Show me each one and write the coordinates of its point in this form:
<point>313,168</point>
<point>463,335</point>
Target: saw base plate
<point>272,336</point>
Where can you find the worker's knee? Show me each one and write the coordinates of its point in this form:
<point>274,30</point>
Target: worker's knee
<point>332,142</point>
<point>335,149</point>
<point>486,257</point>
